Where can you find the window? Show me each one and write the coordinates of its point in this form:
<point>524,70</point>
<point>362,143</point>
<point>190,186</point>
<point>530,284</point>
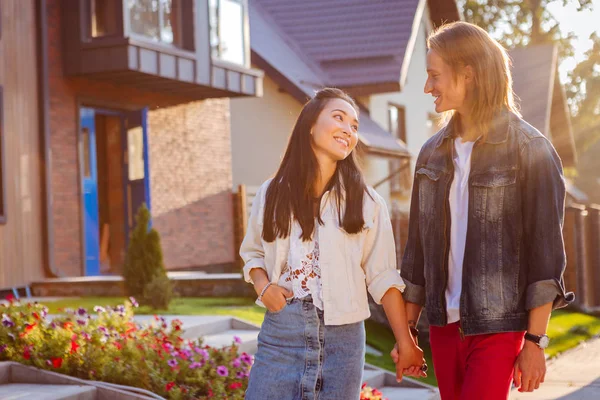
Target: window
<point>135,150</point>
<point>227,33</point>
<point>103,18</point>
<point>2,161</point>
<point>397,121</point>
<point>397,127</point>
<point>159,20</point>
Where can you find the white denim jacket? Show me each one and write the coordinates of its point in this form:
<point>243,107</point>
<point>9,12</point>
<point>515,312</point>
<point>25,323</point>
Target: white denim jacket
<point>349,263</point>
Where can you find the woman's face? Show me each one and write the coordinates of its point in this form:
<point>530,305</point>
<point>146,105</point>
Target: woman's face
<point>449,90</point>
<point>335,133</point>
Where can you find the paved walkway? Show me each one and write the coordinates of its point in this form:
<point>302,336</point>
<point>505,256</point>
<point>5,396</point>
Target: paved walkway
<point>574,375</point>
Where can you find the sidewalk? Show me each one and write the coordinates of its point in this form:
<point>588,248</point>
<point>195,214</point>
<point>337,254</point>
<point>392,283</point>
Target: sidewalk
<point>574,375</point>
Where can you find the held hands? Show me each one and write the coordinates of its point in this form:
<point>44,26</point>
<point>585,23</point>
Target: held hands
<point>530,368</point>
<point>408,358</point>
<point>274,297</point>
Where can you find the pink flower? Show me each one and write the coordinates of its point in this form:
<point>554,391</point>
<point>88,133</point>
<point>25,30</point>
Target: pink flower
<point>172,363</point>
<point>222,370</point>
<point>196,364</point>
<point>237,339</point>
<point>133,302</point>
<point>246,358</point>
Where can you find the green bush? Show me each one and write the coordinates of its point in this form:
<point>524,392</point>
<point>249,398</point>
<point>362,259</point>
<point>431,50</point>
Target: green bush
<point>158,293</point>
<point>110,347</point>
<point>144,264</point>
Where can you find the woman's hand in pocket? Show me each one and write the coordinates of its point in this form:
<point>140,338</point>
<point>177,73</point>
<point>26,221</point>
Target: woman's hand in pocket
<point>275,297</point>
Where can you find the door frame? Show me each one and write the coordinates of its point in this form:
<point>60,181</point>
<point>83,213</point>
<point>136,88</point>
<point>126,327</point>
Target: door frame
<point>121,112</point>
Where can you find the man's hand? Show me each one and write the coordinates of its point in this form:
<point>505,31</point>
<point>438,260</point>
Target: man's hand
<point>530,368</point>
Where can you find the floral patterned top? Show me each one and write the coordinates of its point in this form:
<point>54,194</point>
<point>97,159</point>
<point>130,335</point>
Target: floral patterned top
<point>302,273</point>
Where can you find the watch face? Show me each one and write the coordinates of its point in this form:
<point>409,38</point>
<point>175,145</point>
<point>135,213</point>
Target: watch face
<point>544,341</point>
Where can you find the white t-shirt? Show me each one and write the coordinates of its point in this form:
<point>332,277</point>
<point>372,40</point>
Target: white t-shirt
<point>459,213</point>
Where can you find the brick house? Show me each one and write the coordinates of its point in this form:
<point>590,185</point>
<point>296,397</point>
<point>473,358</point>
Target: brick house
<point>132,107</point>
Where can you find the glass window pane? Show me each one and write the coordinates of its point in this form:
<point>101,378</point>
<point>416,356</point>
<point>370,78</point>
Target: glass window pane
<point>168,22</point>
<point>393,120</point>
<point>231,31</point>
<point>213,10</point>
<point>143,17</point>
<point>135,153</point>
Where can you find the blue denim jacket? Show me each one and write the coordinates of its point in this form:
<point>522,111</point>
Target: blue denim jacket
<point>514,256</point>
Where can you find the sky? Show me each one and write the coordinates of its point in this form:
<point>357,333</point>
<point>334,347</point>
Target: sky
<point>582,24</point>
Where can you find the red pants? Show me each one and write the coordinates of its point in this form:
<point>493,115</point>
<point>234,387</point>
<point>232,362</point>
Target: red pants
<point>478,367</point>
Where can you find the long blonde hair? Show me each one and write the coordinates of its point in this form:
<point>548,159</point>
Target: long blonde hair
<point>461,44</point>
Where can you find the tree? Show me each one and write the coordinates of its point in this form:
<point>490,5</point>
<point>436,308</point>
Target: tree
<point>144,271</point>
<point>516,23</point>
<point>584,89</point>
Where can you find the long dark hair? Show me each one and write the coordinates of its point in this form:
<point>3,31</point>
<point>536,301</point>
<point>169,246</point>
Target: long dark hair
<point>291,190</point>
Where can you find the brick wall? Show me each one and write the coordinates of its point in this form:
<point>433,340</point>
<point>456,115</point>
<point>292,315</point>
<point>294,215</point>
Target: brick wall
<point>190,169</point>
<point>194,172</point>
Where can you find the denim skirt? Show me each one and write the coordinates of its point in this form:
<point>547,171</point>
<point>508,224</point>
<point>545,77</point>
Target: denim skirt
<point>300,358</point>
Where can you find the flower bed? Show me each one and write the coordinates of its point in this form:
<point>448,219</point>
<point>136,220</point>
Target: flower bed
<point>369,393</point>
<point>108,346</point>
<point>111,347</point>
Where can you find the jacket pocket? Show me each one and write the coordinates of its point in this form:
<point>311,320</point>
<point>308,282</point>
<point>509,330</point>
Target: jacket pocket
<point>430,191</point>
<point>493,192</point>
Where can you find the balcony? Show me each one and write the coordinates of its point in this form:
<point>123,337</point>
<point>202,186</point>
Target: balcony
<point>161,45</point>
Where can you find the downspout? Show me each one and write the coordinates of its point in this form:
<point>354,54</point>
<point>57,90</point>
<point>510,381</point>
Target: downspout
<point>46,154</point>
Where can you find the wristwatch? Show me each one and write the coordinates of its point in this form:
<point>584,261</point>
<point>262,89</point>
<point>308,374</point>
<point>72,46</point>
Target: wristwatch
<point>414,331</point>
<point>542,341</point>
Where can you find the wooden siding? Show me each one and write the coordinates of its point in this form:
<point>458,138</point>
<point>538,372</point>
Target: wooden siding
<point>21,238</point>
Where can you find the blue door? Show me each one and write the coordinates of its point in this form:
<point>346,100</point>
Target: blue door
<point>89,174</point>
<point>137,169</point>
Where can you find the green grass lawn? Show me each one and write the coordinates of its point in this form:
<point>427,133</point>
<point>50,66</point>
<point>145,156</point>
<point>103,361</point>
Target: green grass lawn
<point>566,330</point>
<point>243,308</point>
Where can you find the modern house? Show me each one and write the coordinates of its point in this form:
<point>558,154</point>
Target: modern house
<point>109,104</point>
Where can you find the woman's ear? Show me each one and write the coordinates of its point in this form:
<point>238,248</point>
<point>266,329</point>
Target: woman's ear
<point>469,74</point>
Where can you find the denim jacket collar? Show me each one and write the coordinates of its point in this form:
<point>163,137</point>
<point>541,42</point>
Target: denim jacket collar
<point>497,134</point>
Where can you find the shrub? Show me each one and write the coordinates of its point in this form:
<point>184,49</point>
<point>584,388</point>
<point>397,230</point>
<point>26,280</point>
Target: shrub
<point>144,264</point>
<point>109,346</point>
<point>158,292</point>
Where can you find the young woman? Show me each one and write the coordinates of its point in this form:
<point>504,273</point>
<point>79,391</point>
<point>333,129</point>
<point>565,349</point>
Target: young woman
<point>317,239</point>
<point>485,253</point>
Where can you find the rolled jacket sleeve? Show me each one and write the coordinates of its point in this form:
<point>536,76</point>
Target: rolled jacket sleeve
<point>379,260</point>
<point>413,264</point>
<point>251,250</point>
<point>543,189</point>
